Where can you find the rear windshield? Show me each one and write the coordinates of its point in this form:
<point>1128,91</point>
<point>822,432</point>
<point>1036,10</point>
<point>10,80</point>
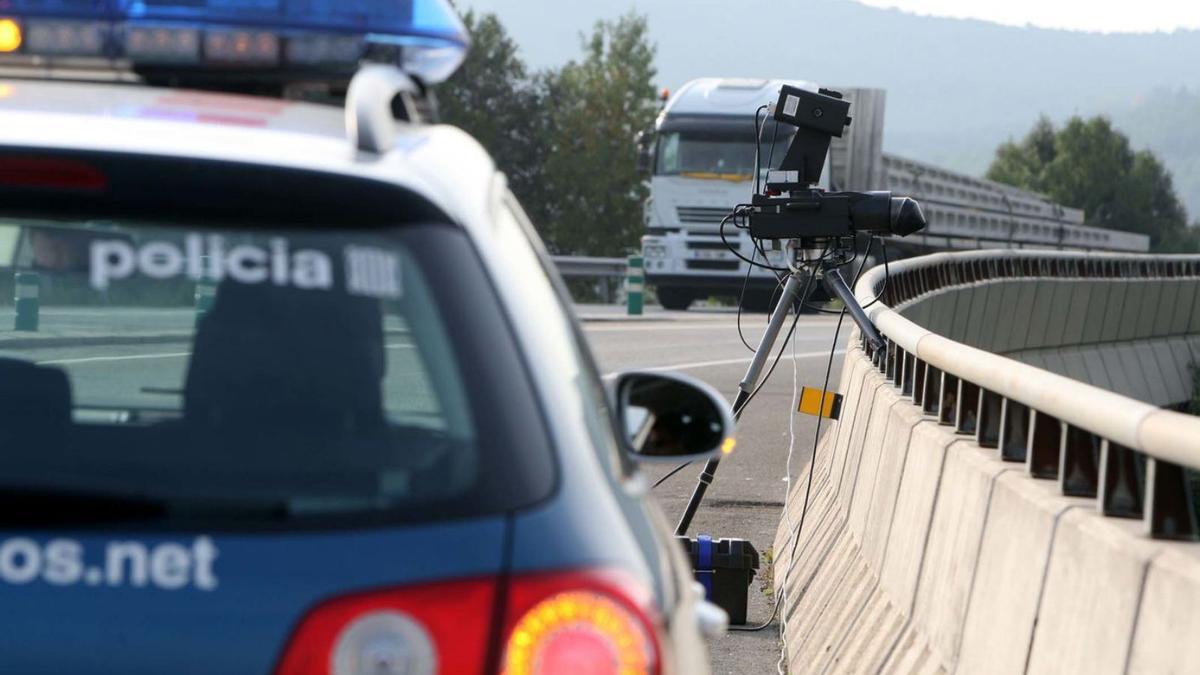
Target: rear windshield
<point>178,372</point>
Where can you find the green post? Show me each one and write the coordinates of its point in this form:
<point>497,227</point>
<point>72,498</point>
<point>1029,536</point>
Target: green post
<point>635,285</point>
<point>206,292</point>
<point>26,297</point>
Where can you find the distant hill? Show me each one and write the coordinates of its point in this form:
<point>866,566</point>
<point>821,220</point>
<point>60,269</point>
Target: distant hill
<point>956,88</point>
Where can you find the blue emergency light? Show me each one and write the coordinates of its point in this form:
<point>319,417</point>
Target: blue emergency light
<point>287,35</point>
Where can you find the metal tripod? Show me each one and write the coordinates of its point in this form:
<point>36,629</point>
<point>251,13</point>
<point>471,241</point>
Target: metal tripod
<point>797,285</point>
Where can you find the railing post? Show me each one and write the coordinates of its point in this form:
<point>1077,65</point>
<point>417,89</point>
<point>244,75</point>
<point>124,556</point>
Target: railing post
<point>1172,502</point>
<point>948,408</point>
<point>906,379</point>
<point>931,399</point>
<point>1045,439</point>
<point>968,408</point>
<point>1014,431</point>
<point>918,383</point>
<point>1079,463</point>
<point>987,428</point>
<point>1122,481</point>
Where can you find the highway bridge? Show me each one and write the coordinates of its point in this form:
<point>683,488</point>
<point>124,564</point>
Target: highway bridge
<point>964,211</point>
<point>1011,487</point>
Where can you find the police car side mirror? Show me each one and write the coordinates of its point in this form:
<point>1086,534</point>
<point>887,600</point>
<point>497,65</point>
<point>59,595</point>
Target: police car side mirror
<point>645,151</point>
<point>672,417</point>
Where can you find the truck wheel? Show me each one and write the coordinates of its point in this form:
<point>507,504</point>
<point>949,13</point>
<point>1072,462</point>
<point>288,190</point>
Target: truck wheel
<point>674,298</point>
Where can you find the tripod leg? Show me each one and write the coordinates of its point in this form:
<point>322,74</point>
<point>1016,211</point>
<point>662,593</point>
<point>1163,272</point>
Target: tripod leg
<point>837,285</point>
<point>792,293</point>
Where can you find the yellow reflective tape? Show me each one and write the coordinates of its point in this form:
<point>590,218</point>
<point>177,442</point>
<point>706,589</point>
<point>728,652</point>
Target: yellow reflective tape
<point>728,445</point>
<point>820,403</point>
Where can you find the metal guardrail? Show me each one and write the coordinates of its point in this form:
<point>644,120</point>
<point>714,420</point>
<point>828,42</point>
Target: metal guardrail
<point>581,266</point>
<point>966,212</point>
<point>1134,458</point>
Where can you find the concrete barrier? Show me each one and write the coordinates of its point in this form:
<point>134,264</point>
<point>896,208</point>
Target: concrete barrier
<point>1170,597</point>
<point>1022,518</point>
<point>952,547</point>
<point>913,513</point>
<point>1089,604</point>
<point>922,552</point>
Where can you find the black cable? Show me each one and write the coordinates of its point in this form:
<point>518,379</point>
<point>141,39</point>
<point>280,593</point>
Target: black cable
<point>816,437</point>
<point>806,304</point>
<point>808,488</point>
<point>763,381</point>
<point>811,470</point>
<point>887,274</point>
<point>741,301</point>
<point>857,275</point>
<point>670,473</point>
<point>770,371</point>
<point>861,267</point>
<point>774,137</point>
<point>758,146</point>
<point>736,252</point>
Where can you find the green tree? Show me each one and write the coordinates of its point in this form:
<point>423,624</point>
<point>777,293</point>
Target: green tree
<point>1090,165</point>
<point>494,98</point>
<point>598,104</point>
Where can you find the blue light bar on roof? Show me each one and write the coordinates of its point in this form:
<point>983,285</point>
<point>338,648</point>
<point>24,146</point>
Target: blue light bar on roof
<point>262,33</point>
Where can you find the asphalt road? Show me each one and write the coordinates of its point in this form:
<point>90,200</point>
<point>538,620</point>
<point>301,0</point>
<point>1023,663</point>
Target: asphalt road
<point>746,498</point>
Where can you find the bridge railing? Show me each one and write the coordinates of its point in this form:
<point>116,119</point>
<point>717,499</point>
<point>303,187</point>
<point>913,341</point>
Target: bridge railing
<point>1135,459</point>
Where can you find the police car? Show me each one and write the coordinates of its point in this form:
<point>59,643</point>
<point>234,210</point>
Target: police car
<point>287,388</point>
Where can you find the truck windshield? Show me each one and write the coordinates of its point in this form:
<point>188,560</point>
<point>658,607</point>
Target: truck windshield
<point>177,372</point>
<point>707,155</point>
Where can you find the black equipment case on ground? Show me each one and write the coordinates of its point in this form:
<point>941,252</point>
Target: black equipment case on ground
<point>725,568</point>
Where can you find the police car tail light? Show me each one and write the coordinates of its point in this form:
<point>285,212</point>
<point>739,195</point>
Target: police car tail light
<point>582,623</point>
<point>420,630</point>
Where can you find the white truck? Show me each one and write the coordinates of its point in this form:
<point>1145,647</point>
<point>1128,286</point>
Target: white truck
<point>700,157</point>
<point>701,160</point>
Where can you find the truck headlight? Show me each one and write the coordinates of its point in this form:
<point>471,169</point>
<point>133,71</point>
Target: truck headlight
<point>654,251</point>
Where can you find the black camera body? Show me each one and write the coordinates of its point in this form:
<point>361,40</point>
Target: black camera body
<point>792,207</point>
<point>814,215</point>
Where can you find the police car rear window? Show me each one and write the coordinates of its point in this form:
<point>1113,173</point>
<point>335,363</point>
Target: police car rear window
<point>176,371</point>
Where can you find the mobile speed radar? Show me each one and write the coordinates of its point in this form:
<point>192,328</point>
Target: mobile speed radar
<point>793,207</point>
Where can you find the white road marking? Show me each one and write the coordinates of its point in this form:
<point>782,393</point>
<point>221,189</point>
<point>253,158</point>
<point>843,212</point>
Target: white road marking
<point>697,326</point>
<point>729,362</point>
<point>168,355</point>
<point>128,357</point>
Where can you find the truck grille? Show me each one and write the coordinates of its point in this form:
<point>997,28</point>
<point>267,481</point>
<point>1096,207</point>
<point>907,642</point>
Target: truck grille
<point>702,214</point>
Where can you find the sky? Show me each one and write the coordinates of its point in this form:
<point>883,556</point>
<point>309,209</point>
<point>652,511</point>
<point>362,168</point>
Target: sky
<point>1105,16</point>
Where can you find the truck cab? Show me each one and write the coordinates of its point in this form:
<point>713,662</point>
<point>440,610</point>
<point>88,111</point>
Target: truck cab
<point>702,157</point>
